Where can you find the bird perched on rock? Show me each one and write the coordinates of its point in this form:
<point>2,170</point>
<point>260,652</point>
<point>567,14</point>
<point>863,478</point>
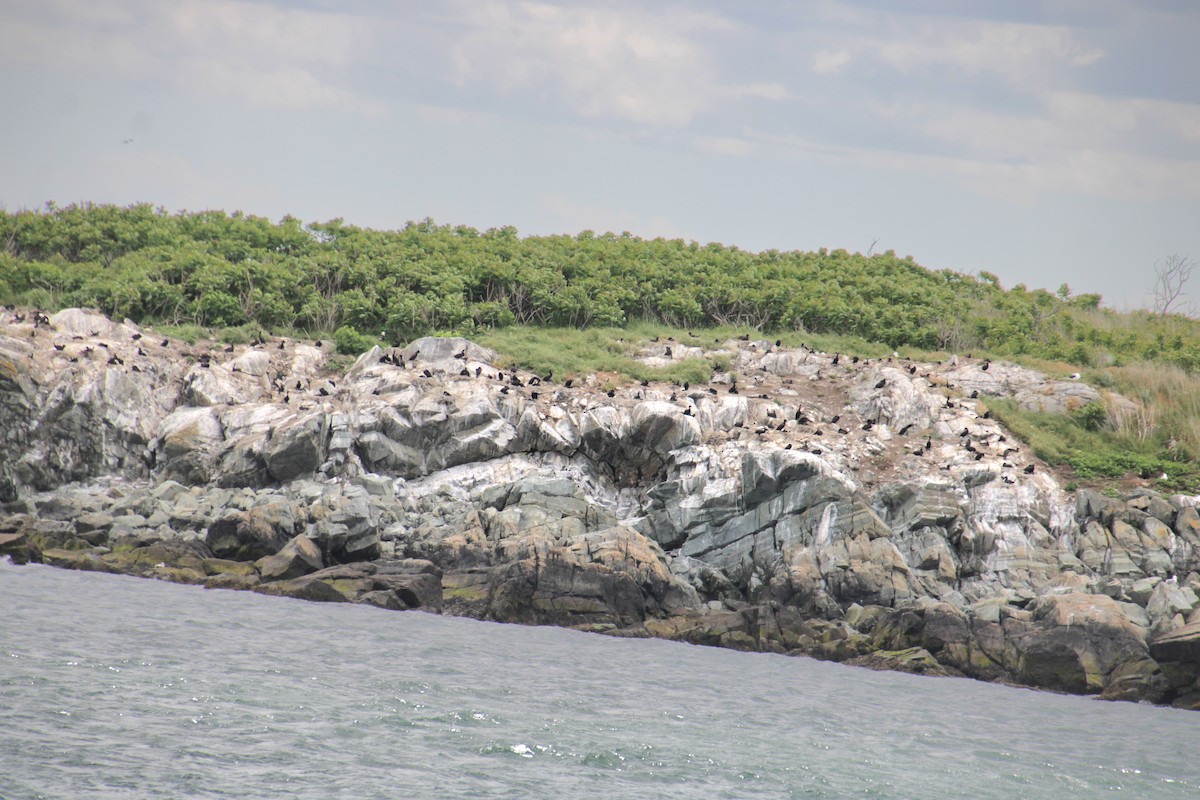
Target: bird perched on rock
<point>1028,470</point>
<point>881,384</point>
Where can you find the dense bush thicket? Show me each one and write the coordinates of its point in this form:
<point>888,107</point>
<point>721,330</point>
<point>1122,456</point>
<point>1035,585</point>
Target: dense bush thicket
<point>217,269</point>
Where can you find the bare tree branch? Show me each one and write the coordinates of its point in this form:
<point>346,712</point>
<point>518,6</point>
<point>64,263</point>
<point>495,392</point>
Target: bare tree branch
<point>1170,277</point>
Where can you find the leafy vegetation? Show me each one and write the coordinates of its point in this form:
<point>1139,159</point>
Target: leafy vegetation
<point>573,304</point>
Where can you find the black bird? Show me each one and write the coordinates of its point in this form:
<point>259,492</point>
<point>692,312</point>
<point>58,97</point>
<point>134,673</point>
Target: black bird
<point>906,428</point>
<point>415,354</point>
<point>881,384</point>
<point>782,424</point>
<point>611,392</point>
<point>912,370</point>
<point>515,381</point>
<point>287,398</point>
<point>788,446</point>
<point>281,344</point>
<point>376,391</point>
<point>745,337</point>
<point>987,415</point>
<point>1029,470</point>
<point>136,336</point>
<point>166,343</point>
<point>477,371</point>
<point>549,374</point>
<point>503,390</point>
<point>426,373</point>
<point>672,397</point>
<point>833,420</point>
<point>928,443</point>
<point>818,432</point>
<point>918,452</point>
<point>533,395</point>
<point>298,386</point>
<point>60,347</point>
<point>779,342</point>
<point>711,390</point>
<point>317,343</point>
<point>687,412</point>
<point>964,432</point>
<point>854,360</point>
<point>974,394</point>
<point>462,354</point>
<point>685,386</point>
<point>136,368</point>
<point>868,425</point>
<point>668,353</point>
<point>836,358</point>
<point>645,383</point>
<point>229,349</point>
<point>141,352</point>
<point>978,456</point>
<point>843,431</point>
<point>567,383</point>
<point>733,390</point>
<point>465,371</point>
<point>499,376</point>
<point>985,366</point>
<point>322,391</point>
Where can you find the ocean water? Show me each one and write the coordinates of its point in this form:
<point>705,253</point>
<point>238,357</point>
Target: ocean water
<point>118,687</point>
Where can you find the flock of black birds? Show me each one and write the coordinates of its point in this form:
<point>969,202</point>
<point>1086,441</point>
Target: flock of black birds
<point>397,358</point>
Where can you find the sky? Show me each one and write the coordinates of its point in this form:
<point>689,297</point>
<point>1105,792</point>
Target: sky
<point>1045,142</point>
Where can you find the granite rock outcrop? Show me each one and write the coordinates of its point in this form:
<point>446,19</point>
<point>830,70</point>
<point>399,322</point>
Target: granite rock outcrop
<point>867,511</point>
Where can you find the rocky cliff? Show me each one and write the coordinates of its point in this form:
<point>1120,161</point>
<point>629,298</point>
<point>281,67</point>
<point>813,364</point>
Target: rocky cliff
<point>867,511</point>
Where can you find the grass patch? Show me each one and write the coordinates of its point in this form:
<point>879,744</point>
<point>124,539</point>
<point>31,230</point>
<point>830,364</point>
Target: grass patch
<point>242,334</point>
<point>185,333</point>
<point>1100,453</point>
<point>573,353</point>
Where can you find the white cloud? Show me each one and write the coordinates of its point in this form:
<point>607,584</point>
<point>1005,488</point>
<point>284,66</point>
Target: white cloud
<point>724,145</point>
<point>982,47</point>
<point>826,62</point>
<point>601,61</point>
<point>265,56</point>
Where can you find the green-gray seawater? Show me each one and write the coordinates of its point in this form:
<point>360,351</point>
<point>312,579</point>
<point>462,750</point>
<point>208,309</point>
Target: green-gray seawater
<point>117,687</point>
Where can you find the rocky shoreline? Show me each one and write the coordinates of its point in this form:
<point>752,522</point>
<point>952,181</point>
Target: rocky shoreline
<point>866,511</point>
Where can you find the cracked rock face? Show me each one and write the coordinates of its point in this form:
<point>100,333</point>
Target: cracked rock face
<point>860,510</point>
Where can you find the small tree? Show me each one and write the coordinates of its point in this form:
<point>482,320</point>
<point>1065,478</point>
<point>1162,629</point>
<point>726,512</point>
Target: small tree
<point>1170,277</point>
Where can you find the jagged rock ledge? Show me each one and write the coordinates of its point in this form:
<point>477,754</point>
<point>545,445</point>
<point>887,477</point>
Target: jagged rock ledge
<point>911,532</point>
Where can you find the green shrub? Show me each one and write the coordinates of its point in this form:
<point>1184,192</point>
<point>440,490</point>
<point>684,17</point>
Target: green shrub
<point>242,334</point>
<point>351,342</point>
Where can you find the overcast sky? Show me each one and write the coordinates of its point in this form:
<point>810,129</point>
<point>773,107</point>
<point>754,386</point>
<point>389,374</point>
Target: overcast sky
<point>1046,142</point>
